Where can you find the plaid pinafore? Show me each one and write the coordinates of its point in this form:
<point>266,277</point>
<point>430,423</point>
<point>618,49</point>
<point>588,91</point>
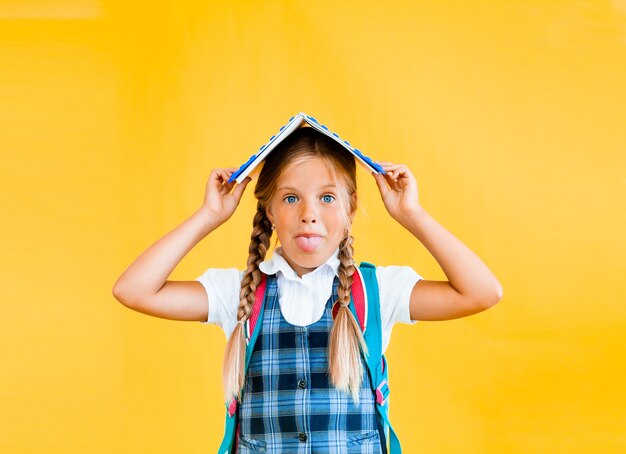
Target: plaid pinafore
<point>289,404</point>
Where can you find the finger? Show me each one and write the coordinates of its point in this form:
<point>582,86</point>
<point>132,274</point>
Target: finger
<point>238,191</point>
<point>397,180</point>
<point>385,165</point>
<point>403,178</point>
<point>216,179</point>
<point>226,187</point>
<point>391,175</point>
<point>218,174</point>
<point>227,184</point>
<point>391,170</point>
<point>394,167</point>
<point>399,171</point>
<point>392,182</point>
<point>381,183</point>
<point>222,170</point>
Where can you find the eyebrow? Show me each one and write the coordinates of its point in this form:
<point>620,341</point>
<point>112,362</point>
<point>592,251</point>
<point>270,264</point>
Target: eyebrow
<point>295,189</point>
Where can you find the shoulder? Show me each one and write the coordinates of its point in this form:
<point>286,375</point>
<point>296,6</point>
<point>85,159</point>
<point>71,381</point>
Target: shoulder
<point>221,274</point>
<point>221,283</point>
<point>222,286</point>
<point>396,275</point>
<point>395,284</point>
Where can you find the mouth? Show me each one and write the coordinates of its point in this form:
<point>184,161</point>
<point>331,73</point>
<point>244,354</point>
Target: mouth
<point>308,242</point>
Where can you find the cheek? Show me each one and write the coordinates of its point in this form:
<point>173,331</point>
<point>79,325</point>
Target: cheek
<point>336,221</point>
<point>283,218</point>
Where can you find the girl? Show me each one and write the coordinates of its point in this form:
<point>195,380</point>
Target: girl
<point>304,389</point>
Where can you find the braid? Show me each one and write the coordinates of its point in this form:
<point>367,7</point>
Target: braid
<point>344,361</point>
<point>235,352</point>
<point>346,270</point>
<point>259,244</point>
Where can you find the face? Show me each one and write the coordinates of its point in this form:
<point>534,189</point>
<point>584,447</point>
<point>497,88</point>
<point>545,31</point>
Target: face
<point>308,215</point>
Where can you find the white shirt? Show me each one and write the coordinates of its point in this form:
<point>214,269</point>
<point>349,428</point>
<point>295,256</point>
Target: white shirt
<point>302,300</point>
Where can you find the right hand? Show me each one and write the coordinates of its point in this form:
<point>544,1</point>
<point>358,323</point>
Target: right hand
<point>218,203</point>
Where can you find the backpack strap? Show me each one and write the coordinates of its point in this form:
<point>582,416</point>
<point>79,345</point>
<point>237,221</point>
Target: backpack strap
<point>229,443</point>
<point>259,296</point>
<point>376,361</point>
<point>358,300</point>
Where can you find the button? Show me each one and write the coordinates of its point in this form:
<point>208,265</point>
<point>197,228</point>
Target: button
<point>302,384</point>
<point>302,437</point>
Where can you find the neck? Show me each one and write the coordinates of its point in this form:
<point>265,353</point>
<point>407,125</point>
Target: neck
<point>300,270</point>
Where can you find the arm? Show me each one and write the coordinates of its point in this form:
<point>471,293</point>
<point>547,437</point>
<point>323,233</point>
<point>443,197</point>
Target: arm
<point>471,287</point>
<point>144,287</point>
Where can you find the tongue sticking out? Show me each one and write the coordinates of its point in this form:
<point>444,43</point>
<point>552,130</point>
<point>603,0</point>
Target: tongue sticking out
<point>308,244</point>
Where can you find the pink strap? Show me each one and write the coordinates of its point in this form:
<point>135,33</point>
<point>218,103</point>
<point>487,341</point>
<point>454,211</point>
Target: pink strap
<point>359,300</point>
<point>380,399</point>
<point>256,308</point>
<point>358,297</point>
<point>232,408</point>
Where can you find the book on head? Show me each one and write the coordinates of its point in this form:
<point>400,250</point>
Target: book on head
<point>295,122</point>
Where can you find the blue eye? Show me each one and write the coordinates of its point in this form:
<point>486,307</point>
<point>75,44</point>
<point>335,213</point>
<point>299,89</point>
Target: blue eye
<point>289,197</point>
<point>332,197</point>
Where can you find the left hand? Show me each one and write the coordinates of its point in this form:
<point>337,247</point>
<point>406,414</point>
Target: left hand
<point>398,189</point>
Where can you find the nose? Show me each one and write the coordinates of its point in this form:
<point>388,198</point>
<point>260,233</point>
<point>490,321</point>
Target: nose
<point>307,213</point>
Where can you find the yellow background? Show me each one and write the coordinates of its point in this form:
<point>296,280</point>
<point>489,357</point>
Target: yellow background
<point>511,116</point>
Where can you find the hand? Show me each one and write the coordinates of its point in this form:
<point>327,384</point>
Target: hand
<point>398,189</point>
<point>219,202</point>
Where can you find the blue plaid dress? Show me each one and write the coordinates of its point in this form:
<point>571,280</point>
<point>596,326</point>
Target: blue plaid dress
<point>289,404</point>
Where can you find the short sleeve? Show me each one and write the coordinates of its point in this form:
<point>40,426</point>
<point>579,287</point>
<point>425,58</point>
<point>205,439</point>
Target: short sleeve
<point>222,287</point>
<point>395,284</point>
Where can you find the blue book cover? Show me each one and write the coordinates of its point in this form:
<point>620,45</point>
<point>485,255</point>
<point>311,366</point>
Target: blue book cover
<point>294,123</point>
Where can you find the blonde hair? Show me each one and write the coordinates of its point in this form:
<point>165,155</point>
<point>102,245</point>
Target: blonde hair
<point>344,363</point>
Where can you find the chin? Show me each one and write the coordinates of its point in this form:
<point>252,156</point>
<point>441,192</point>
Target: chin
<point>312,260</point>
<point>309,259</point>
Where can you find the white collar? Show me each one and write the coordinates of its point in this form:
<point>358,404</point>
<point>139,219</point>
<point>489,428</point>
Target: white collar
<point>278,263</point>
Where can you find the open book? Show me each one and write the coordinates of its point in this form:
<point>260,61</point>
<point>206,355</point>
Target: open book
<point>294,123</point>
